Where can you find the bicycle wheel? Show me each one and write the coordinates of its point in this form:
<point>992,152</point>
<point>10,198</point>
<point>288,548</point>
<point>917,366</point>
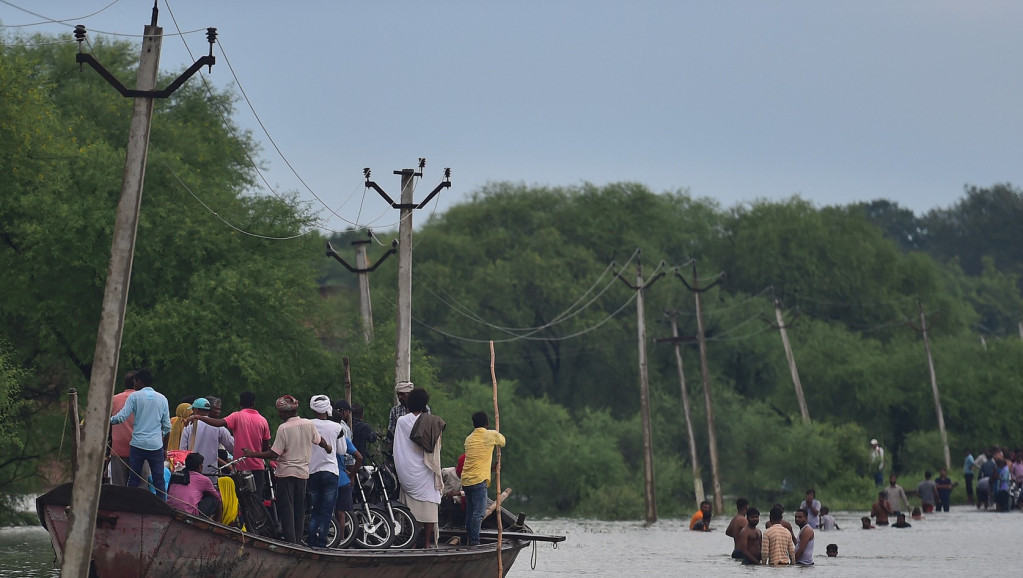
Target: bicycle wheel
<point>257,520</point>
<point>407,529</point>
<point>373,529</point>
<point>350,530</point>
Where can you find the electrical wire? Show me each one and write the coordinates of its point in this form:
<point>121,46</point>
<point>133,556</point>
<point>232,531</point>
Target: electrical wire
<point>223,220</point>
<point>570,312</point>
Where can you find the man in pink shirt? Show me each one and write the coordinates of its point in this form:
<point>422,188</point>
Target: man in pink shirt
<point>250,430</point>
<point>120,439</point>
<point>292,448</point>
<point>193,493</point>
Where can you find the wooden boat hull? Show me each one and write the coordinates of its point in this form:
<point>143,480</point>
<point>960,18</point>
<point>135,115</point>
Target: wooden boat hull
<point>138,535</point>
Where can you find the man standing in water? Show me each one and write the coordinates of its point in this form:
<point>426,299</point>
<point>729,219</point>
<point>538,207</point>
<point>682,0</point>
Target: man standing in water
<point>812,506</point>
<point>928,493</point>
<point>896,495</point>
<point>700,522</point>
<point>776,548</point>
<point>736,525</point>
<point>804,542</point>
<point>751,538</point>
<point>968,466</point>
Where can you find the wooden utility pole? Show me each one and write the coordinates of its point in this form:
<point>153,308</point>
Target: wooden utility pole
<point>86,490</point>
<point>644,388</point>
<point>362,270</point>
<point>792,363</point>
<point>365,303</point>
<point>934,388</point>
<point>693,457</point>
<point>719,501</point>
<point>403,344</point>
<point>403,316</point>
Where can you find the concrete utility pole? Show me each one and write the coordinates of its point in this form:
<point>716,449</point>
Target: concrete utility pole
<point>934,388</point>
<point>693,457</point>
<point>792,362</point>
<point>719,501</point>
<point>86,490</point>
<point>403,343</point>
<point>644,387</point>
<point>361,269</point>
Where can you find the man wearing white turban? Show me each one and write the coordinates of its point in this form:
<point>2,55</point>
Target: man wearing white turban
<point>401,390</point>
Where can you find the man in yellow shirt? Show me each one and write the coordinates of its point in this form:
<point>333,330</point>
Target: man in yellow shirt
<point>479,452</point>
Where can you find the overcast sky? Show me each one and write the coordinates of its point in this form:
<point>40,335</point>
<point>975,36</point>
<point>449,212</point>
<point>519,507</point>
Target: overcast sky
<point>835,101</point>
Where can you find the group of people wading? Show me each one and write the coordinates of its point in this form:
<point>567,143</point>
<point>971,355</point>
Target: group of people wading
<point>182,458</point>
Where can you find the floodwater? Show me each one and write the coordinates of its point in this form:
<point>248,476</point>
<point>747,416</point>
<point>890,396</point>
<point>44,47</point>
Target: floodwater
<point>962,542</point>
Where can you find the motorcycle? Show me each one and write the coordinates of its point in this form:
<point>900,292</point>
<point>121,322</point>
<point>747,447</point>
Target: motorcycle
<point>381,485</point>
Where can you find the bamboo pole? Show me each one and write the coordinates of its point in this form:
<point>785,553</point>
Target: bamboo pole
<point>348,387</point>
<point>76,434</point>
<point>497,473</point>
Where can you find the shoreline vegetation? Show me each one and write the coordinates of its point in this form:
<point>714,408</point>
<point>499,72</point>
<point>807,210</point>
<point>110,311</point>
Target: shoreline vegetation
<point>234,293</point>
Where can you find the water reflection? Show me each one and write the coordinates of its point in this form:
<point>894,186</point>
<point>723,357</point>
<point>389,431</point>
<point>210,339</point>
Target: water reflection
<point>962,542</point>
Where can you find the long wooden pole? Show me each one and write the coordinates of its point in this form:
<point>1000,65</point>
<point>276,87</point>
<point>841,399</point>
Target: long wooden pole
<point>403,321</point>
<point>85,494</point>
<point>76,432</point>
<point>934,388</point>
<point>348,386</point>
<point>719,501</point>
<point>693,457</point>
<point>644,399</point>
<point>497,473</point>
<point>792,363</point>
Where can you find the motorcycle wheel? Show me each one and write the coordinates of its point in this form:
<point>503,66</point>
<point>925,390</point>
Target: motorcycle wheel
<point>407,529</point>
<point>350,531</point>
<point>373,530</point>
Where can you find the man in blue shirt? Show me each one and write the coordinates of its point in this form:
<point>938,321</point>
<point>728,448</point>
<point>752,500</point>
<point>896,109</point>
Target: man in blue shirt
<point>148,439</point>
<point>968,466</point>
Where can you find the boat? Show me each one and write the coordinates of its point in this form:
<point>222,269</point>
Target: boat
<point>138,535</point>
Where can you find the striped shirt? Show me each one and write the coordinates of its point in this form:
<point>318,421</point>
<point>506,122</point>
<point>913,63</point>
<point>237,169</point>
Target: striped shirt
<point>777,547</point>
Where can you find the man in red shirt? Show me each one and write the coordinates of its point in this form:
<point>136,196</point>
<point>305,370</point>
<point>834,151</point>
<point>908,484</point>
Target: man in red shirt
<point>120,439</point>
<point>250,430</point>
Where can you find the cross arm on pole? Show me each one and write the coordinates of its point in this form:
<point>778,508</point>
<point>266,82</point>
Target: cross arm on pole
<point>332,253</point>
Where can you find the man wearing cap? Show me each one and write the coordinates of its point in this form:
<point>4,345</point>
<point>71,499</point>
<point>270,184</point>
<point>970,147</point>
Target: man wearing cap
<point>250,430</point>
<point>292,448</point>
<point>343,413</point>
<point>205,439</point>
<point>877,458</point>
<point>417,462</point>
<point>149,433</point>
<point>401,390</point>
<point>323,472</point>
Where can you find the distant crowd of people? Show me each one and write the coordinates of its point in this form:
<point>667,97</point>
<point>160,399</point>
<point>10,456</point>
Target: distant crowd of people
<point>999,479</point>
<point>183,458</point>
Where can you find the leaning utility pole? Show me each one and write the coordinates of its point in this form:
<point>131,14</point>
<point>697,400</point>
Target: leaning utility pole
<point>792,362</point>
<point>86,490</point>
<point>693,457</point>
<point>403,343</point>
<point>360,269</point>
<point>644,387</point>
<point>719,501</point>
<point>934,386</point>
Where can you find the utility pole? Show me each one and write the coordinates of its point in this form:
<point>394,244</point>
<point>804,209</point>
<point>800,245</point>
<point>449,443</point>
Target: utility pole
<point>86,490</point>
<point>361,269</point>
<point>693,457</point>
<point>403,343</point>
<point>719,501</point>
<point>934,386</point>
<point>644,387</point>
<point>792,362</point>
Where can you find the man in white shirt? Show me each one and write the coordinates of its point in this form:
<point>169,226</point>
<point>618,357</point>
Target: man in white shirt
<point>205,439</point>
<point>323,473</point>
